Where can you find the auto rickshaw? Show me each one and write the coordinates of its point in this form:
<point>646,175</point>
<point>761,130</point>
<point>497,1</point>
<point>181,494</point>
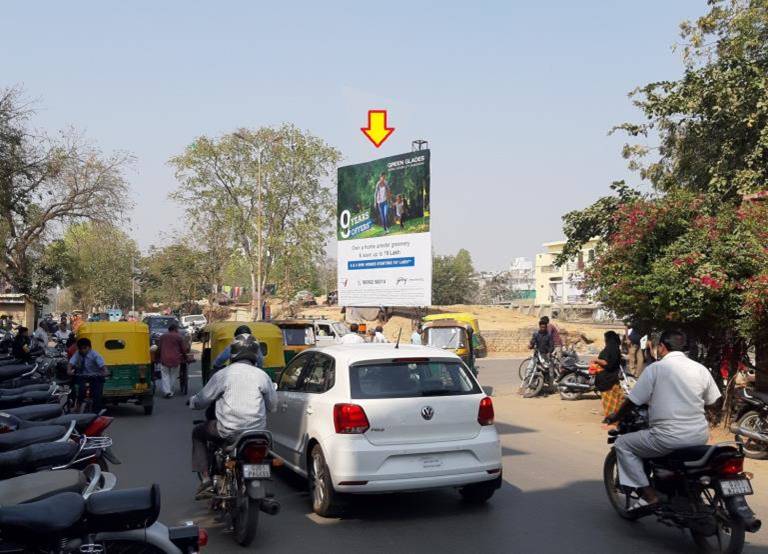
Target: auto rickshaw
<point>124,345</point>
<point>218,335</point>
<point>450,334</point>
<point>298,335</point>
<point>478,342</point>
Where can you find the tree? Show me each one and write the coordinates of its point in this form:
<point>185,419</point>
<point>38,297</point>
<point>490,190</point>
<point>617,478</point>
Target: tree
<point>46,183</point>
<point>452,281</point>
<point>691,253</point>
<point>267,186</point>
<point>98,262</point>
<point>175,274</point>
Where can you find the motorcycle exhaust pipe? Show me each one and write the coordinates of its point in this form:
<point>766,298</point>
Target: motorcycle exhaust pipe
<point>270,506</point>
<point>575,386</point>
<point>754,435</point>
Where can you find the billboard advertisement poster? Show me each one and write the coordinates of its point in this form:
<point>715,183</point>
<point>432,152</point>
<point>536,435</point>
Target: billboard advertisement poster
<point>384,240</point>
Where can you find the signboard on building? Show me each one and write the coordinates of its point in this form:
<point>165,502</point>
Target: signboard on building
<point>383,232</point>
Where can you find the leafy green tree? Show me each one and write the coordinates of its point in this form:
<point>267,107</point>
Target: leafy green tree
<point>691,253</point>
<point>46,183</point>
<point>98,262</point>
<point>175,274</point>
<point>269,187</point>
<point>452,281</point>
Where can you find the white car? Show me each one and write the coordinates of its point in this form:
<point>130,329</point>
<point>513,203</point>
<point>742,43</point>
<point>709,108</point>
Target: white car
<point>372,418</point>
<point>194,322</point>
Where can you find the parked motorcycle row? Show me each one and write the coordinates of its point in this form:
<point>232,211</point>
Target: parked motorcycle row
<point>57,495</point>
<point>564,373</point>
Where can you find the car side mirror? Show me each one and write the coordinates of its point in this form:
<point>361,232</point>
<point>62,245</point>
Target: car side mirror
<point>274,386</point>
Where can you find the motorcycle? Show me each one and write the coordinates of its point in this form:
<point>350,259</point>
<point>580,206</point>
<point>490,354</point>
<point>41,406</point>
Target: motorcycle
<point>752,423</point>
<point>540,372</point>
<point>242,473</point>
<point>703,490</point>
<point>575,379</point>
<point>110,521</point>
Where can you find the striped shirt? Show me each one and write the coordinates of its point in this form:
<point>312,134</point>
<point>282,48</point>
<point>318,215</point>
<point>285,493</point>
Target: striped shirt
<point>243,393</point>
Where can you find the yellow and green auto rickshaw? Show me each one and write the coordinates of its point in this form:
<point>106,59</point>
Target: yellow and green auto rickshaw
<point>478,342</point>
<point>298,335</point>
<point>124,345</point>
<point>218,335</point>
<point>453,335</point>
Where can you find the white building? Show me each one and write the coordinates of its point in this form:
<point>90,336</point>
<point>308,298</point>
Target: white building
<point>559,285</point>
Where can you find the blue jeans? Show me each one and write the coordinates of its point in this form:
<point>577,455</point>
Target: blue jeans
<point>384,214</point>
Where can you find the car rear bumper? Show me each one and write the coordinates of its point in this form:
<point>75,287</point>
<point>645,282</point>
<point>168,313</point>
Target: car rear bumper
<point>357,466</point>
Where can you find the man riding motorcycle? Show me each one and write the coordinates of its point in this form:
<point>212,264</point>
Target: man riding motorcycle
<point>677,390</point>
<point>242,394</point>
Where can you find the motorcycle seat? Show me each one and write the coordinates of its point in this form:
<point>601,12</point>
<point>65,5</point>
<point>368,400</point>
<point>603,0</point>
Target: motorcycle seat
<point>51,515</point>
<point>113,511</point>
<point>692,457</point>
<point>82,421</point>
<point>234,442</point>
<point>33,435</point>
<point>9,372</point>
<point>25,388</point>
<point>37,486</point>
<point>36,457</point>
<point>36,412</point>
<point>33,397</point>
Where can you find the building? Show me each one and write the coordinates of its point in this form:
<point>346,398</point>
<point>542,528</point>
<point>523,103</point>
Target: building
<point>522,278</point>
<point>19,308</point>
<point>561,285</point>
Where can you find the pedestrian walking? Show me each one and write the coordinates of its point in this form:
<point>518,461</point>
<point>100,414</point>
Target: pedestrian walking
<point>353,336</point>
<point>172,352</point>
<point>607,379</point>
<point>40,336</point>
<point>416,335</point>
<point>635,358</point>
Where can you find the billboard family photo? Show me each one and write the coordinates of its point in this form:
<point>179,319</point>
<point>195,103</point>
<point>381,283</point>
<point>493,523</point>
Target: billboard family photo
<point>384,197</point>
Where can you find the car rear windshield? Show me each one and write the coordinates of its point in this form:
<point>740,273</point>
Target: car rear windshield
<point>161,322</point>
<point>410,379</point>
<point>298,336</point>
<point>194,318</point>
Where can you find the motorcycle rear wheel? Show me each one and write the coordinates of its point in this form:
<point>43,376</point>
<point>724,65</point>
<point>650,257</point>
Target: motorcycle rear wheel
<point>533,385</point>
<point>616,495</point>
<point>731,530</point>
<point>245,517</point>
<point>569,395</point>
<point>756,450</point>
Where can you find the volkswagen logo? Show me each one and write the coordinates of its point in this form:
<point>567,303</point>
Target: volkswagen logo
<point>427,412</point>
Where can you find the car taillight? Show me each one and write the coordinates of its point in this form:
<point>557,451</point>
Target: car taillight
<point>254,452</point>
<point>98,425</point>
<point>732,466</point>
<point>202,537</point>
<point>350,419</point>
<point>485,412</point>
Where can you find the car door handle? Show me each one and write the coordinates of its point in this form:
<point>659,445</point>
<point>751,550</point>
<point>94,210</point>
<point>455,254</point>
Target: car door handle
<point>309,410</point>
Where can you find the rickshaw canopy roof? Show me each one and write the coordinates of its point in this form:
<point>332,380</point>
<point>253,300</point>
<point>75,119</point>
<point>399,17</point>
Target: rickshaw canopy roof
<point>222,333</point>
<point>118,342</point>
<point>464,317</point>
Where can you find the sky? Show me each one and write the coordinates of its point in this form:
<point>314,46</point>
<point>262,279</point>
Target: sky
<point>515,98</point>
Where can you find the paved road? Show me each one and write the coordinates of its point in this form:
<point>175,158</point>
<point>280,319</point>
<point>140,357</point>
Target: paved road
<point>552,500</point>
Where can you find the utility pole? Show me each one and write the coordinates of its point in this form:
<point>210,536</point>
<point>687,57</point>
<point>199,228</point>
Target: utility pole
<point>133,288</point>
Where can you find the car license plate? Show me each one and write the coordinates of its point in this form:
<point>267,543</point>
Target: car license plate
<point>257,471</point>
<point>735,487</point>
<point>430,462</point>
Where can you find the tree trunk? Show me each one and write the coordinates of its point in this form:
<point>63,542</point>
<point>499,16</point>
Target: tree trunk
<point>761,365</point>
<point>255,308</point>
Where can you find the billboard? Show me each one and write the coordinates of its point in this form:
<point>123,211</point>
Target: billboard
<point>384,242</point>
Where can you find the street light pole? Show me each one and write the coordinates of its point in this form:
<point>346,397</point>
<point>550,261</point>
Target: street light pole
<point>133,288</point>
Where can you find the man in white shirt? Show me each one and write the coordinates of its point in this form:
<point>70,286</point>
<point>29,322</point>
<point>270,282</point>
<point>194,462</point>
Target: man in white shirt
<point>676,390</point>
<point>416,335</point>
<point>40,336</point>
<point>378,336</point>
<point>352,337</point>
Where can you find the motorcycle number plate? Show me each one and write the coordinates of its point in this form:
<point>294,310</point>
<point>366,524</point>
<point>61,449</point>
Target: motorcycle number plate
<point>257,471</point>
<point>735,487</point>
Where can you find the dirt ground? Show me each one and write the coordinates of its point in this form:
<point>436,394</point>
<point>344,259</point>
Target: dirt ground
<point>490,318</point>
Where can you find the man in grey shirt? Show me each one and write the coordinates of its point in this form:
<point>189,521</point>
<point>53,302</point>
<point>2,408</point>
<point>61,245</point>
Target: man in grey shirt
<point>243,394</point>
<point>677,390</point>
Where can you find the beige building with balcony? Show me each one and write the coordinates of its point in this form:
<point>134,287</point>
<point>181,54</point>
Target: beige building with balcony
<point>561,285</point>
